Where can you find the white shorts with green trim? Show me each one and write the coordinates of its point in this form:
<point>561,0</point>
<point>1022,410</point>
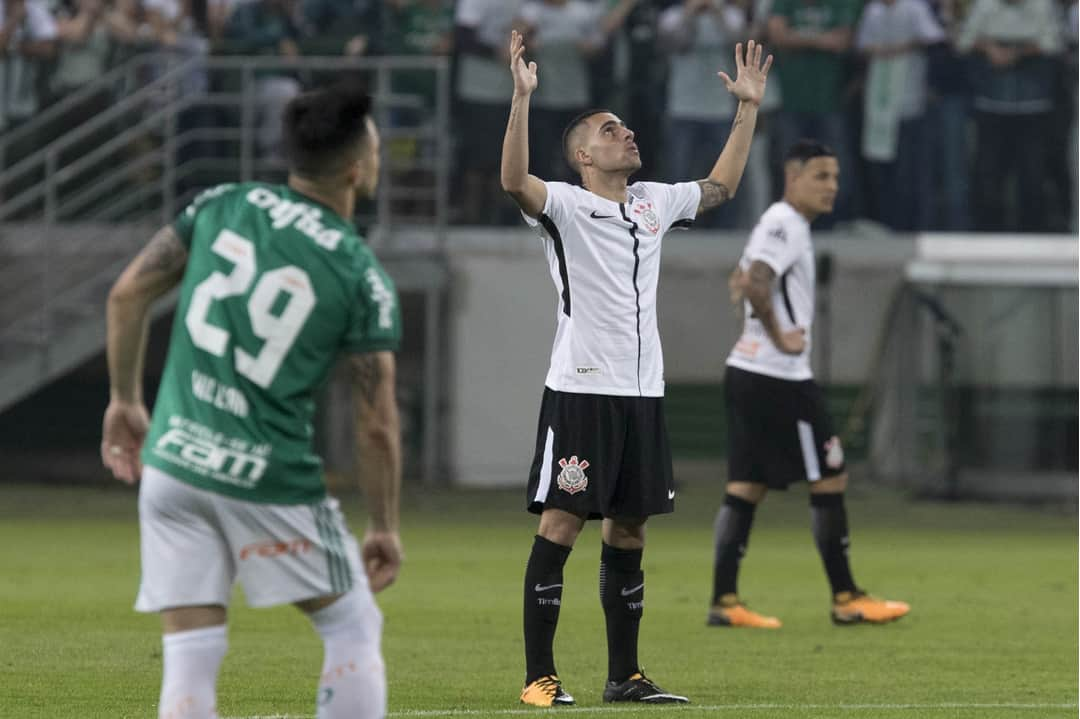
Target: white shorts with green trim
<point>196,544</point>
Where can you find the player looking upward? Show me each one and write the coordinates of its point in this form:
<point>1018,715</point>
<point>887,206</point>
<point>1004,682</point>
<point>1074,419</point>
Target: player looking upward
<point>602,448</point>
<point>275,285</point>
<point>779,431</point>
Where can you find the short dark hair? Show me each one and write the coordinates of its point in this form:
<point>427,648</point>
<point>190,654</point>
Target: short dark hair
<point>579,120</point>
<point>807,149</point>
<point>322,127</point>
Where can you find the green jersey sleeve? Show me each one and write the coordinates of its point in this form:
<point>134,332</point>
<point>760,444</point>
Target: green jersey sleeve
<point>376,320</point>
<point>184,224</point>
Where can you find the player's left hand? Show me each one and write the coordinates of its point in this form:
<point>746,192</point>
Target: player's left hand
<point>382,556</point>
<point>750,74</point>
<point>122,433</point>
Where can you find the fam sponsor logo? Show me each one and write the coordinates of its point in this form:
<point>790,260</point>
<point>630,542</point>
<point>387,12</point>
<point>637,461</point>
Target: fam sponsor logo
<point>572,478</point>
<point>210,454</point>
<point>271,548</point>
<point>306,218</point>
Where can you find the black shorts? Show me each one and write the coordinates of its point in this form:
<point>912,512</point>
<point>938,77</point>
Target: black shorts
<point>601,456</point>
<point>779,431</point>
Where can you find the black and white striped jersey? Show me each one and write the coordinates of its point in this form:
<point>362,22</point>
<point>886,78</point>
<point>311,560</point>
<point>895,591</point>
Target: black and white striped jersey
<point>604,258</point>
<point>781,239</point>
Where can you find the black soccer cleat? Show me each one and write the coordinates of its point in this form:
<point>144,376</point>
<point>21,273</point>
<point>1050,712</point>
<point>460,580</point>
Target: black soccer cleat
<point>639,688</point>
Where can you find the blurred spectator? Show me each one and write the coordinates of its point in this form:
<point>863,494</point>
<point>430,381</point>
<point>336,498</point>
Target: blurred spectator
<point>84,49</point>
<point>28,37</point>
<point>893,34</point>
<point>1072,31</point>
<point>343,27</point>
<point>700,36</point>
<point>1014,45</point>
<point>182,29</point>
<point>268,27</point>
<point>483,89</point>
<point>811,39</point>
<point>949,114</point>
<point>419,27</point>
<point>757,190</point>
<point>561,36</point>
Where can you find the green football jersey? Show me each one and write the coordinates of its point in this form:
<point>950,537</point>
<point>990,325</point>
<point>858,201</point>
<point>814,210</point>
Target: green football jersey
<point>277,286</point>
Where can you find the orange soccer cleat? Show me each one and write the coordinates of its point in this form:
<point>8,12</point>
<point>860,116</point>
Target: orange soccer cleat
<point>858,607</point>
<point>730,612</point>
<point>546,691</point>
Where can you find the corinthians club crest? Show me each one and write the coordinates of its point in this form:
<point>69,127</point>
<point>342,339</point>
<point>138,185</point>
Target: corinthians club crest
<point>646,215</point>
<point>572,478</point>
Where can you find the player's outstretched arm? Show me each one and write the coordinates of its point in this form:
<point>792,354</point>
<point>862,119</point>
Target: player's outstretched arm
<point>749,87</point>
<point>154,271</point>
<point>528,191</point>
<point>378,462</point>
<point>756,285</point>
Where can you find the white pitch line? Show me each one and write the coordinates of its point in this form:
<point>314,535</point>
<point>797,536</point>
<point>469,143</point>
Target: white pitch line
<point>692,708</point>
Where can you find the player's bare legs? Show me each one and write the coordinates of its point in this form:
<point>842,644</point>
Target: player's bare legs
<point>193,645</point>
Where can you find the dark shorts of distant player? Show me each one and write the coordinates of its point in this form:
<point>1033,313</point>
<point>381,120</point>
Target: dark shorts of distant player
<point>601,456</point>
<point>779,431</point>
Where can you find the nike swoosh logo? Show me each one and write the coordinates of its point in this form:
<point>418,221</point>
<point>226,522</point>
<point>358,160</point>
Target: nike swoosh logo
<point>671,494</point>
<point>627,592</point>
<point>599,217</point>
<point>542,588</point>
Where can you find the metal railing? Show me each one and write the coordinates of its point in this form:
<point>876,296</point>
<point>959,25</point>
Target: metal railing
<point>163,144</point>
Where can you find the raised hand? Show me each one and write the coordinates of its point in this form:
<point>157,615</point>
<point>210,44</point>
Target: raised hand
<point>524,75</point>
<point>750,74</point>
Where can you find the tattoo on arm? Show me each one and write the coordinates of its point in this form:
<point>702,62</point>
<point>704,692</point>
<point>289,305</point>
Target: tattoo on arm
<point>366,376</point>
<point>712,194</point>
<point>738,118</point>
<point>165,253</point>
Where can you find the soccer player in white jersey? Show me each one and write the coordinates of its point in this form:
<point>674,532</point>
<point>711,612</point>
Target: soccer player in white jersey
<point>779,431</point>
<point>275,285</point>
<point>602,449</point>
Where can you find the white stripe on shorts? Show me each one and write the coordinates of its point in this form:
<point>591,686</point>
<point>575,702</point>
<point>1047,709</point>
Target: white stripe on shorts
<point>809,451</point>
<point>545,468</point>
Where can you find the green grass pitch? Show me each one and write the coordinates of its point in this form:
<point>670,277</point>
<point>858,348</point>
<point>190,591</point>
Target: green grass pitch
<point>992,634</point>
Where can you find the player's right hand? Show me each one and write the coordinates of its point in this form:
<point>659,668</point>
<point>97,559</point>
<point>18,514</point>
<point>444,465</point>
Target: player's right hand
<point>792,342</point>
<point>382,555</point>
<point>122,433</point>
<point>524,75</point>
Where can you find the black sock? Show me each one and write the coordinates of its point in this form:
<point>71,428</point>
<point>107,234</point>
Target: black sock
<point>829,523</point>
<point>732,532</point>
<point>622,594</point>
<point>543,597</point>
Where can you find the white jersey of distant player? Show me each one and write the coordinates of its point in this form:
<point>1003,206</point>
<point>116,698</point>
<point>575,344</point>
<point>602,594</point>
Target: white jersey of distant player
<point>781,240</point>
<point>604,258</point>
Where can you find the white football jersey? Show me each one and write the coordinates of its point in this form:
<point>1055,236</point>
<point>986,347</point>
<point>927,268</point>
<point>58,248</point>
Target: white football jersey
<point>604,258</point>
<point>781,239</point>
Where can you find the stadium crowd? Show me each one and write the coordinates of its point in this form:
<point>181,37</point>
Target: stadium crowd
<point>950,115</point>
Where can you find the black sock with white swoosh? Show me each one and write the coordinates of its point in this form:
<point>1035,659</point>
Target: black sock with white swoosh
<point>622,594</point>
<point>543,597</point>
